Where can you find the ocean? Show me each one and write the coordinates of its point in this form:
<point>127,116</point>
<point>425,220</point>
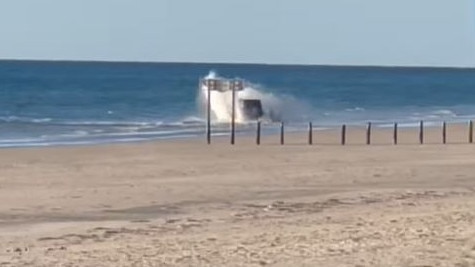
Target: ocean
<point>74,103</point>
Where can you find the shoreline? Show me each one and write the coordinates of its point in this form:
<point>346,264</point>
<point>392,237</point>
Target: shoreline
<point>454,134</point>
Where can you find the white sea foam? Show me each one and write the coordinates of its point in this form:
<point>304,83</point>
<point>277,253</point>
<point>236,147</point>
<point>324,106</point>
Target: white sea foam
<point>445,112</point>
<point>13,119</point>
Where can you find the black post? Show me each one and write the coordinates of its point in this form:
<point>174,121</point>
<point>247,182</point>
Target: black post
<point>310,133</point>
<point>258,133</point>
<point>470,132</point>
<point>368,134</point>
<point>421,133</point>
<point>395,133</point>
<point>282,133</point>
<point>343,134</point>
<point>208,124</point>
<point>444,132</point>
<point>233,115</point>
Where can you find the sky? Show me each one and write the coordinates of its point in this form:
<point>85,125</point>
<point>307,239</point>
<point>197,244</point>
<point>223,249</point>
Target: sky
<point>332,32</point>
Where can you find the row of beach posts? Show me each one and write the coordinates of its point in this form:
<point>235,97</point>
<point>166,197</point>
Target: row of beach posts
<point>234,85</point>
<point>343,133</point>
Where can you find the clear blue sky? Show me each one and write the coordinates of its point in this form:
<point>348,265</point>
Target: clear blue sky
<point>356,32</point>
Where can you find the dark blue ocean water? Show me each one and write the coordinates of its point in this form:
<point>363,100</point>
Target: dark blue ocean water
<point>51,103</point>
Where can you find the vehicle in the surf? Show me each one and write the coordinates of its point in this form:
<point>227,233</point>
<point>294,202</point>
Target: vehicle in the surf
<point>247,108</point>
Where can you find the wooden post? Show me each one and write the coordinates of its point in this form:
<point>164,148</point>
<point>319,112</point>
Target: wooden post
<point>282,133</point>
<point>208,122</point>
<point>444,133</point>
<point>368,134</point>
<point>258,133</point>
<point>343,134</point>
<point>233,115</point>
<point>421,133</point>
<point>395,133</point>
<point>310,133</point>
<point>470,132</point>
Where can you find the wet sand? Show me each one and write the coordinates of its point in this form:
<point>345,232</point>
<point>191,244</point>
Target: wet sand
<point>184,203</point>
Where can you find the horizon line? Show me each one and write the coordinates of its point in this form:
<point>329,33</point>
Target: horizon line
<point>239,63</point>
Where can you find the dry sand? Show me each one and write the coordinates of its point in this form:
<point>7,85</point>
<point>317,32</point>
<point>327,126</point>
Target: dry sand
<point>183,203</point>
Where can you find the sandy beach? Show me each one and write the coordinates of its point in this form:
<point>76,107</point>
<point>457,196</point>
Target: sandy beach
<point>184,203</point>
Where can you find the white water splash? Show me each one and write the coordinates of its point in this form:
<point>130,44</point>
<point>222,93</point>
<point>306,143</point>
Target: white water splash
<point>276,108</point>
